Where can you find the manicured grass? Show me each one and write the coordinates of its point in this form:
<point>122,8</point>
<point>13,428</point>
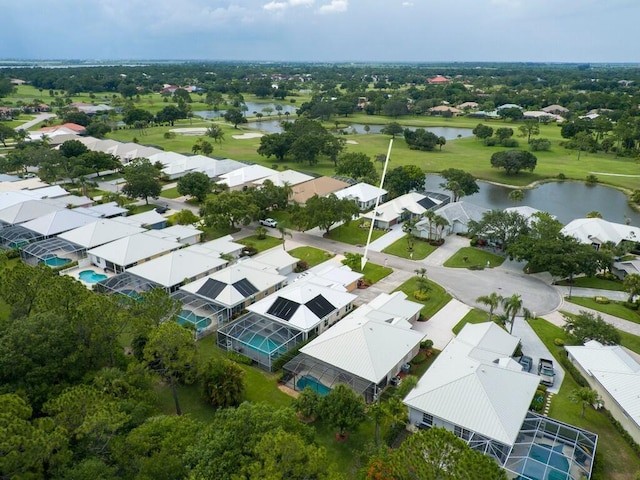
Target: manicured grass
<point>613,308</point>
<point>374,273</point>
<point>142,208</point>
<point>474,316</point>
<point>211,233</point>
<point>614,457</point>
<point>594,282</point>
<point>353,233</point>
<point>438,297</point>
<point>313,256</point>
<point>261,244</point>
<point>400,248</point>
<point>475,257</point>
<point>170,193</point>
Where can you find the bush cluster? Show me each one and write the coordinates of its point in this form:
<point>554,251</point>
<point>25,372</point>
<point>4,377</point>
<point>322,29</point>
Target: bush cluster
<point>601,300</point>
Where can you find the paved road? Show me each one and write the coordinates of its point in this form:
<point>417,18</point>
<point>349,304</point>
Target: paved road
<point>40,117</point>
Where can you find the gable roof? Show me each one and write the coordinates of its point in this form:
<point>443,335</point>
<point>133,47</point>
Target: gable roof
<point>465,387</point>
<point>99,232</point>
<point>129,250</point>
<point>590,230</point>
<point>330,274</point>
<point>229,285</point>
<point>394,208</point>
<point>320,186</point>
<point>273,260</point>
<point>219,246</point>
<point>366,348</point>
<point>246,174</point>
<point>174,267</point>
<point>362,192</point>
<point>143,219</point>
<point>461,212</point>
<point>290,177</point>
<point>27,210</point>
<point>302,305</point>
<point>176,232</point>
<point>58,222</point>
<point>614,369</point>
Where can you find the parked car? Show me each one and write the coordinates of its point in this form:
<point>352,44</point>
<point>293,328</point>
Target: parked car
<point>269,222</point>
<point>162,208</point>
<point>526,362</point>
<point>546,372</point>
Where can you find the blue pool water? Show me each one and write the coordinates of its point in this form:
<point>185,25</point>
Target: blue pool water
<point>56,261</point>
<point>188,317</point>
<point>313,382</point>
<point>90,276</point>
<point>18,244</point>
<point>262,344</point>
<point>546,455</point>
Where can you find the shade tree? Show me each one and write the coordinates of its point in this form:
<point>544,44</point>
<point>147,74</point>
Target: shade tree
<point>404,179</point>
<point>358,166</point>
<point>459,183</point>
<point>587,326</point>
<point>142,180</point>
<point>195,184</point>
<point>324,212</point>
<point>228,209</point>
<point>513,161</point>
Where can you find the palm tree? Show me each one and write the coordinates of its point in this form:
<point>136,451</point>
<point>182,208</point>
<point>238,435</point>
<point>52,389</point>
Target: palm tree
<point>423,284</point>
<point>493,301</point>
<point>440,222</point>
<point>421,272</point>
<point>631,285</point>
<point>284,232</point>
<point>512,306</point>
<point>430,215</point>
<point>516,195</point>
<point>585,396</point>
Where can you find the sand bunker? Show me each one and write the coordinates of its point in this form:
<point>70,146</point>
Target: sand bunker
<point>248,135</point>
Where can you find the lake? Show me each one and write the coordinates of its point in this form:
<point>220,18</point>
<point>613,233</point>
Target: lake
<point>566,200</point>
<point>252,107</point>
<point>450,133</point>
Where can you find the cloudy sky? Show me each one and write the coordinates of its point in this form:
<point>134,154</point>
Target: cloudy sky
<point>323,30</point>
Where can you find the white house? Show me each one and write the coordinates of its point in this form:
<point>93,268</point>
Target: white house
<point>124,253</point>
<point>184,234</point>
<point>404,207</point>
<point>615,375</point>
<point>27,210</point>
<point>220,246</point>
<point>286,177</point>
<point>275,260</point>
<point>597,232</point>
<point>244,177</point>
<point>331,274</point>
<point>177,268</point>
<point>150,219</point>
<point>458,214</point>
<point>468,391</point>
<point>99,232</point>
<point>58,222</point>
<point>363,194</point>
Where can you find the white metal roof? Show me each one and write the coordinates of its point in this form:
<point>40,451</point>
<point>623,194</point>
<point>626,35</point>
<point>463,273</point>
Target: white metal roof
<point>361,191</point>
<point>174,267</point>
<point>331,274</point>
<point>219,246</point>
<point>128,250</point>
<point>469,390</point>
<point>365,348</point>
<point>393,209</point>
<point>589,230</point>
<point>614,369</point>
<point>396,306</point>
<point>57,222</point>
<point>273,260</point>
<point>24,184</point>
<point>460,212</point>
<point>246,174</point>
<point>167,158</point>
<point>27,210</point>
<point>488,341</point>
<point>142,219</point>
<point>106,210</point>
<point>219,167</point>
<point>230,296</point>
<point>52,191</point>
<point>99,232</point>
<point>301,293</point>
<point>175,232</point>
<point>289,177</point>
<point>11,198</point>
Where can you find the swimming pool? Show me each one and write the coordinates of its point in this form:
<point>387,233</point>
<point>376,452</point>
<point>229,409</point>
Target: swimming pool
<point>188,317</point>
<point>262,344</point>
<point>90,276</point>
<point>56,261</point>
<point>542,455</point>
<point>18,243</point>
<point>313,382</point>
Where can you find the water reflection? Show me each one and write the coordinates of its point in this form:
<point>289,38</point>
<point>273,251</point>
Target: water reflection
<point>565,200</point>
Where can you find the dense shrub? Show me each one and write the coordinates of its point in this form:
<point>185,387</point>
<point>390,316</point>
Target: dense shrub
<point>238,358</point>
<point>421,357</point>
<point>630,305</point>
<point>491,142</point>
<point>509,143</point>
<point>591,179</point>
<point>573,371</point>
<point>539,144</point>
<point>476,267</point>
<point>559,342</point>
<point>561,176</point>
<point>601,300</point>
<point>421,296</point>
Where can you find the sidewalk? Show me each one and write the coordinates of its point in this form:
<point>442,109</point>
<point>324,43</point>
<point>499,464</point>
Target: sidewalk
<point>451,245</point>
<point>438,328</point>
<point>387,239</point>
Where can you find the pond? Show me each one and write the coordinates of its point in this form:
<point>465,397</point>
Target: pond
<point>252,107</point>
<point>566,200</point>
<point>450,133</point>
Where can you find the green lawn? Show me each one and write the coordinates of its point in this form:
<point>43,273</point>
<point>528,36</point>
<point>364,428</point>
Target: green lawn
<point>632,342</point>
<point>615,458</point>
<point>474,316</point>
<point>313,256</point>
<point>142,208</point>
<point>170,193</point>
<point>438,296</point>
<point>211,233</point>
<point>261,244</point>
<point>594,282</point>
<point>613,308</point>
<point>400,248</point>
<point>353,233</point>
<point>475,257</point>
<point>374,273</point>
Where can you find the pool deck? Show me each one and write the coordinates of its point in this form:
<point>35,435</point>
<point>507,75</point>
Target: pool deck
<point>75,272</point>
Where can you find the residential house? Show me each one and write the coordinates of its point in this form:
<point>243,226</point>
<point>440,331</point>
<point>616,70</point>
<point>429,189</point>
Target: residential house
<point>445,110</point>
<point>615,374</point>
<point>363,194</point>
<point>405,207</point>
<point>218,247</point>
<point>438,80</point>
<point>365,350</point>
<point>321,186</point>
<point>597,232</point>
<point>150,219</point>
<point>457,214</point>
<point>244,177</point>
<point>184,234</point>
<point>555,109</point>
<point>475,390</point>
<point>286,177</point>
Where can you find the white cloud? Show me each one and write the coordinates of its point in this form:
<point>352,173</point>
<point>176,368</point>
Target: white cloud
<point>407,4</point>
<point>295,3</point>
<point>275,6</point>
<point>336,6</point>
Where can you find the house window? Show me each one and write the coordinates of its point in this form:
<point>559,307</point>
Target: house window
<point>326,322</point>
<point>463,433</point>
<point>427,419</point>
